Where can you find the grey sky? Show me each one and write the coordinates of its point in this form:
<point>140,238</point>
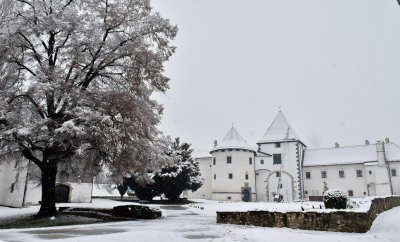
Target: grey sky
<point>332,65</point>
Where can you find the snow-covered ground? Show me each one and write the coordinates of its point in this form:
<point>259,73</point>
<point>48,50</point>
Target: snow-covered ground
<point>189,223</point>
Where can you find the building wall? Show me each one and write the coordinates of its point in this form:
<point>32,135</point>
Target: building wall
<point>204,192</point>
<point>13,170</point>
<point>267,183</point>
<point>314,185</point>
<point>224,188</point>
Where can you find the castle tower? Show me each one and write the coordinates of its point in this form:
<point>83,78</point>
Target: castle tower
<point>233,169</point>
<point>279,163</point>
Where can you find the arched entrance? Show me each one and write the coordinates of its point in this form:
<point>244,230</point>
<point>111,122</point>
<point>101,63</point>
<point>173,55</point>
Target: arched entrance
<point>62,193</point>
<point>286,190</point>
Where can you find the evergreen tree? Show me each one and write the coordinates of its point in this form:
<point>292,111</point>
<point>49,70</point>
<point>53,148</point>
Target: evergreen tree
<point>183,174</point>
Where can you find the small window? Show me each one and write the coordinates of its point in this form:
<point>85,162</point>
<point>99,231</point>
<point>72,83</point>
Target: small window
<point>12,188</point>
<point>229,149</point>
<point>359,173</point>
<point>306,192</point>
<point>277,145</point>
<point>341,174</point>
<point>277,159</point>
<point>230,176</point>
<point>246,177</point>
<point>308,175</point>
<point>281,185</point>
<point>222,150</point>
<point>250,161</point>
<point>261,162</point>
<point>393,172</point>
<point>229,159</point>
<point>229,198</point>
<point>214,161</point>
<point>215,176</point>
<point>351,193</point>
<point>323,174</point>
<point>370,172</point>
<point>278,174</point>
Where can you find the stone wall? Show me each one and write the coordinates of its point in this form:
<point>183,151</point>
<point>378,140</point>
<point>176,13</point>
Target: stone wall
<point>338,221</point>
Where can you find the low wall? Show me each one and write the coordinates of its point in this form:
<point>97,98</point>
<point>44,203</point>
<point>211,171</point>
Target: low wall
<point>338,221</point>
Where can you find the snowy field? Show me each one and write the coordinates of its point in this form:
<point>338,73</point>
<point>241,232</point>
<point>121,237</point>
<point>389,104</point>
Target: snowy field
<point>194,223</point>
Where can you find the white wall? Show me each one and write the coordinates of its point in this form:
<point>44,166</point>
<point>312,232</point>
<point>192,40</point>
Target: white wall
<point>315,185</point>
<point>204,192</point>
<point>396,179</point>
<point>13,170</point>
<point>291,155</point>
<point>222,186</point>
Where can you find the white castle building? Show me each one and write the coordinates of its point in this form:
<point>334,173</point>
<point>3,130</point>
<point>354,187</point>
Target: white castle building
<point>283,168</point>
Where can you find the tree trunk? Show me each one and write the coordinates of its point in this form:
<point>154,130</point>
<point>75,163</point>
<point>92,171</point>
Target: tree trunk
<point>48,204</point>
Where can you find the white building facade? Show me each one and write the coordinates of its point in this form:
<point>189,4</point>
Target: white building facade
<point>282,168</point>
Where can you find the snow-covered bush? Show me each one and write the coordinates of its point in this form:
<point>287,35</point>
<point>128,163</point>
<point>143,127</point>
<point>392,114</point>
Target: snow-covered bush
<point>335,198</point>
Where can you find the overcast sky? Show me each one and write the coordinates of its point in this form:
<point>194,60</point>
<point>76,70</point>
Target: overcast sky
<point>333,66</point>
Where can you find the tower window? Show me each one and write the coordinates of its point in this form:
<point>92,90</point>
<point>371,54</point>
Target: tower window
<point>370,172</point>
<point>246,176</point>
<point>308,175</point>
<point>230,176</point>
<point>393,172</point>
<point>215,176</point>
<point>261,162</point>
<point>277,145</point>
<point>277,159</point>
<point>250,161</point>
<point>214,161</point>
<point>229,159</point>
<point>323,174</point>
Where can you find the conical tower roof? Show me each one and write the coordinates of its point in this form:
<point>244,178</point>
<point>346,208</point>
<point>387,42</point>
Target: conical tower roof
<point>279,130</point>
<point>233,140</point>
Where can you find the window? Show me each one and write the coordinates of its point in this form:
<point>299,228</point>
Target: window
<point>250,161</point>
<point>229,159</point>
<point>230,176</point>
<point>306,192</point>
<point>341,174</point>
<point>393,172</point>
<point>278,174</point>
<point>277,159</point>
<point>214,161</point>
<point>229,198</point>
<point>350,193</point>
<point>246,177</point>
<point>308,174</point>
<point>229,149</point>
<point>370,172</point>
<point>323,174</point>
<point>281,185</point>
<point>215,176</point>
<point>359,173</point>
<point>277,145</point>
<point>12,188</point>
<point>261,162</point>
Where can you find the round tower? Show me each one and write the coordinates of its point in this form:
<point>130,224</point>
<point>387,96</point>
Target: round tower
<point>233,176</point>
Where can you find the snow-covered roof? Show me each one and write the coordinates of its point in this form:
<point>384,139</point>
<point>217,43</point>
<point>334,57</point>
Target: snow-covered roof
<point>197,154</point>
<point>233,140</point>
<point>349,155</point>
<point>279,130</point>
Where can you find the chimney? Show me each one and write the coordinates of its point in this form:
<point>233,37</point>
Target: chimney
<point>366,142</point>
<point>380,150</point>
<point>215,143</point>
<point>337,145</point>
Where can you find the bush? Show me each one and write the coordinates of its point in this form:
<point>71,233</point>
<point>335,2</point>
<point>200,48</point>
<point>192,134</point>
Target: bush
<point>335,198</point>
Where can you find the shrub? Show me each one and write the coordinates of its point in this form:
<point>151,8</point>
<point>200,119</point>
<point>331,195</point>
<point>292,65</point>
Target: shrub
<point>335,198</point>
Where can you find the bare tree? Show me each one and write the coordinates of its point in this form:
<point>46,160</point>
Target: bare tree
<point>76,80</point>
